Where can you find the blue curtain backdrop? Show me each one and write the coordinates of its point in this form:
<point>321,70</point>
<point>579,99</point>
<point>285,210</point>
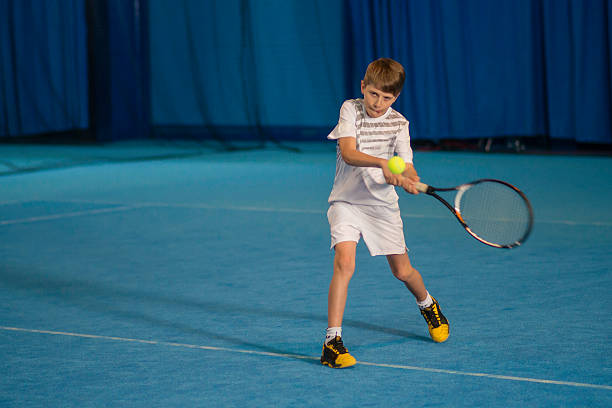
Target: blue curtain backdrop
<point>43,67</point>
<point>251,64</point>
<point>230,68</point>
<point>119,69</point>
<point>481,68</point>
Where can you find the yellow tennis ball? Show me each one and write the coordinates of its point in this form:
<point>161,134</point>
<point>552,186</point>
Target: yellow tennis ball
<point>396,165</point>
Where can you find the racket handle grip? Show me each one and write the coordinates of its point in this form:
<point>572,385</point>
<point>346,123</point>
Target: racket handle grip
<point>422,188</point>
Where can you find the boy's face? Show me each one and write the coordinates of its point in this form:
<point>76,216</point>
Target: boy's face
<point>376,101</point>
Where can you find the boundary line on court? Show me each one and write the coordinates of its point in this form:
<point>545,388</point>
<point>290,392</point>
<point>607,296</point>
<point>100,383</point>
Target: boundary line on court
<point>302,357</point>
<point>70,214</point>
<point>126,207</point>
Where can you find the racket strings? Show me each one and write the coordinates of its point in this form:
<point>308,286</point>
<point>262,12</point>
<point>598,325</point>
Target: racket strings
<point>495,212</point>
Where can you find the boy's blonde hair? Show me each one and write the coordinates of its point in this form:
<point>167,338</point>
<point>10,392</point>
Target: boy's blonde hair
<point>385,74</point>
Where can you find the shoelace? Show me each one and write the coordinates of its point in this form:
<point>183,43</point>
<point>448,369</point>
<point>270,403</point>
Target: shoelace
<point>338,346</point>
<point>431,315</point>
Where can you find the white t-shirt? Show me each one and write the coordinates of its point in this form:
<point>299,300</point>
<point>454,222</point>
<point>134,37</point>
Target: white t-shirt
<point>380,137</point>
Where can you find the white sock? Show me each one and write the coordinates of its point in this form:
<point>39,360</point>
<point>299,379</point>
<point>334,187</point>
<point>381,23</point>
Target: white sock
<point>425,303</point>
<point>331,333</point>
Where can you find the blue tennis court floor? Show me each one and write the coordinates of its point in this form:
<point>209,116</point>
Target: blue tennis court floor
<point>201,280</point>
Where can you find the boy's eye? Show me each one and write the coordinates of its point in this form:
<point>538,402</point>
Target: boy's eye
<point>375,95</point>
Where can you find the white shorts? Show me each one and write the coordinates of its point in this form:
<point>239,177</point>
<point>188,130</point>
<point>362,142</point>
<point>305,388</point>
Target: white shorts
<point>381,227</point>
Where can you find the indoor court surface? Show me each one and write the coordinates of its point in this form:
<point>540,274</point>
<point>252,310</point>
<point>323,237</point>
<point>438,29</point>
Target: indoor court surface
<point>199,278</point>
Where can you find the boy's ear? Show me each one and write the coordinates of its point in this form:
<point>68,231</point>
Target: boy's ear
<point>362,87</point>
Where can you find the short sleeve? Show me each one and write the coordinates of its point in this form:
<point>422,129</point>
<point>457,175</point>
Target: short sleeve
<point>346,124</point>
<point>402,147</point>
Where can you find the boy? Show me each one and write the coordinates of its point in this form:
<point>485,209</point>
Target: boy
<point>363,201</point>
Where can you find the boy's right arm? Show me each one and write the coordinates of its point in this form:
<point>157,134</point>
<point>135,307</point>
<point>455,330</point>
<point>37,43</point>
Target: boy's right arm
<point>353,157</point>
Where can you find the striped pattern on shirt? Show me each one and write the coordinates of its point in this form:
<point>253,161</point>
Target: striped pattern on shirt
<point>377,138</point>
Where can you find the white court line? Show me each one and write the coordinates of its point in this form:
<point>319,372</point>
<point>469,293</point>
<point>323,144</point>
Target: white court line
<point>125,207</point>
<point>309,211</point>
<point>11,202</point>
<point>301,357</point>
<point>69,214</point>
<point>236,208</point>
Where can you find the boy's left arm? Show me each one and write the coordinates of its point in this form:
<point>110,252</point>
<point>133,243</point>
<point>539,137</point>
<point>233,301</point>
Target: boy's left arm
<point>409,179</point>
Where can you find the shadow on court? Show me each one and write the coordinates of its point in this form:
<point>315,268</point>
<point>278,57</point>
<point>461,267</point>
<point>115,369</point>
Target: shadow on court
<point>105,299</point>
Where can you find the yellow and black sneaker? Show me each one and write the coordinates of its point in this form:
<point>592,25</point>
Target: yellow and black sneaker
<point>437,323</point>
<point>336,355</point>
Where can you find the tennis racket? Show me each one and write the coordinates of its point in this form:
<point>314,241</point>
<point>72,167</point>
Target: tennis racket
<point>494,212</point>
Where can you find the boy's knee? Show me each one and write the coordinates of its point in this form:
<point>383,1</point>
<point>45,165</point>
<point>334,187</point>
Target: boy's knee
<point>344,265</point>
<point>404,274</point>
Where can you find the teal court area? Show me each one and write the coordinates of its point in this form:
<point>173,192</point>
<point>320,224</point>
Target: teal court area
<point>194,277</point>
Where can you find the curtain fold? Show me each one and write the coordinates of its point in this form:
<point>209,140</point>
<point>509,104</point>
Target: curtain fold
<point>246,63</point>
<point>477,68</point>
<point>43,67</point>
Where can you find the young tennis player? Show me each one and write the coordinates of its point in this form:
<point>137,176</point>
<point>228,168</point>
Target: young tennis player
<point>363,201</point>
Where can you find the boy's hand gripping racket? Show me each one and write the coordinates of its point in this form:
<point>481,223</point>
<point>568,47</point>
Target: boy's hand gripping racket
<point>494,212</point>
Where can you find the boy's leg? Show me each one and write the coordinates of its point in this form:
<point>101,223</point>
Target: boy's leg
<point>334,353</point>
<point>436,321</point>
<point>344,267</point>
<point>403,270</point>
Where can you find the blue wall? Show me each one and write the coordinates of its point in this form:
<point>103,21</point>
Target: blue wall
<point>43,67</point>
<point>475,68</point>
<point>480,68</point>
<point>243,63</point>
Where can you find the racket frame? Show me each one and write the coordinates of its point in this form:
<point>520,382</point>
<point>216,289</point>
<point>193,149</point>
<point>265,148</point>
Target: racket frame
<point>431,191</point>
